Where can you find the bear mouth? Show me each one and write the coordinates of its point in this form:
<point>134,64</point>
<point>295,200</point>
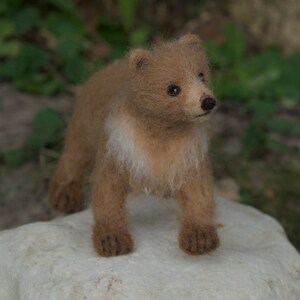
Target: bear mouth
<point>202,115</point>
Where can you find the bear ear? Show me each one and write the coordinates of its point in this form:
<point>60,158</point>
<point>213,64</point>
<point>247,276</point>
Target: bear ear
<point>138,59</point>
<point>191,40</point>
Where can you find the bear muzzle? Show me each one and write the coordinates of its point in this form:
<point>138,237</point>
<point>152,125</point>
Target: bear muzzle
<point>207,103</point>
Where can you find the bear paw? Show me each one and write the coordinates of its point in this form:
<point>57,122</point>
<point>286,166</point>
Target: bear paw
<point>67,198</point>
<point>198,239</point>
<point>112,244</point>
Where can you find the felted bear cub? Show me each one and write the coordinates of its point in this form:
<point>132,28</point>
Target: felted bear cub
<point>142,123</point>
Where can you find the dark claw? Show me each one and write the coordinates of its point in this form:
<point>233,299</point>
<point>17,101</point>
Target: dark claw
<point>114,244</point>
<point>200,239</point>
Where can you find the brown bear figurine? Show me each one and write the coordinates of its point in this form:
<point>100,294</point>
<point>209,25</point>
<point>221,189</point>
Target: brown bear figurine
<point>142,123</point>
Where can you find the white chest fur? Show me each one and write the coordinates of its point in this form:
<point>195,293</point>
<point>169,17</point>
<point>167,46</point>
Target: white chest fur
<point>124,146</point>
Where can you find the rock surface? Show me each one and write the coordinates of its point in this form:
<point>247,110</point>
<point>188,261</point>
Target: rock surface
<point>55,260</point>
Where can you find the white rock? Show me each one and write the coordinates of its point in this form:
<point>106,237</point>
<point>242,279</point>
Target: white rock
<point>55,260</point>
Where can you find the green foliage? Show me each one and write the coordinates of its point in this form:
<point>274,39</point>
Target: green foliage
<point>122,35</point>
<point>262,82</point>
<point>67,5</point>
<point>7,28</point>
<point>13,158</point>
<point>139,36</point>
<point>8,47</point>
<point>43,46</point>
<point>128,9</point>
<point>26,19</point>
<point>120,39</point>
<point>245,197</point>
<point>47,131</point>
<point>47,125</point>
<point>31,62</point>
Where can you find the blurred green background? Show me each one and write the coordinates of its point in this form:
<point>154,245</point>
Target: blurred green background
<point>48,47</point>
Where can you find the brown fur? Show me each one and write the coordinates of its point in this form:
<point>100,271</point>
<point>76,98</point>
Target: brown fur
<point>138,137</point>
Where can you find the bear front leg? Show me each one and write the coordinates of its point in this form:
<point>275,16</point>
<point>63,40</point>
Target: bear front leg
<point>66,196</point>
<point>198,232</point>
<point>109,190</point>
<point>66,187</point>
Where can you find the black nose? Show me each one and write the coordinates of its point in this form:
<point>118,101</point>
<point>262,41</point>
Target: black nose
<point>208,103</point>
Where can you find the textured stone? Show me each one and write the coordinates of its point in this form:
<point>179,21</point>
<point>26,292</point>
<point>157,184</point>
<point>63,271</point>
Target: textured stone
<point>55,260</point>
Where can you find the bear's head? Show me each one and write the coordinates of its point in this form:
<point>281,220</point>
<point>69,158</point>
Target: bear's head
<point>171,81</point>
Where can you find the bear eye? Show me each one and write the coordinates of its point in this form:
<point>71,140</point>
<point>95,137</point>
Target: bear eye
<point>201,76</point>
<point>173,90</point>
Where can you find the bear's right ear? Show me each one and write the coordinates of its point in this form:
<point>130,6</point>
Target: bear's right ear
<point>138,59</point>
<point>191,40</point>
